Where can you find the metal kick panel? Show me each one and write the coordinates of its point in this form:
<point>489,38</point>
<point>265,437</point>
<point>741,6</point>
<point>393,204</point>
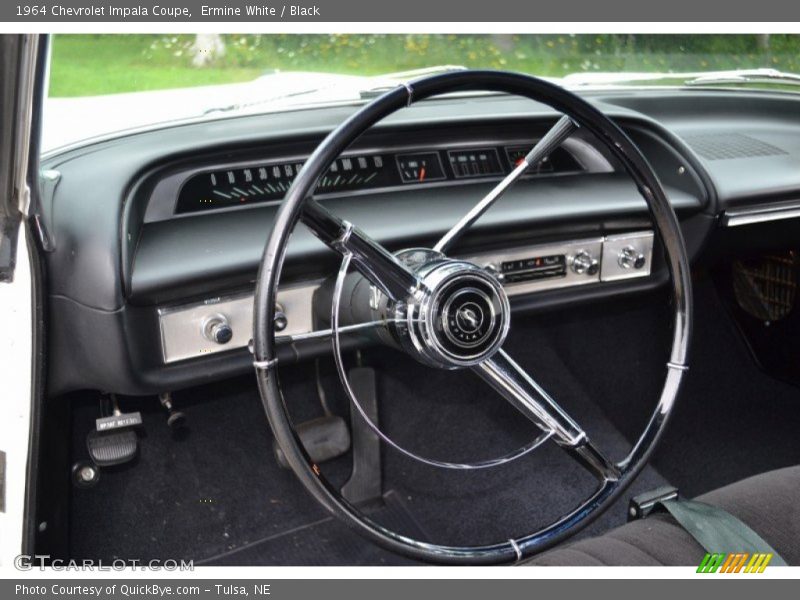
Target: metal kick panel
<point>184,328</point>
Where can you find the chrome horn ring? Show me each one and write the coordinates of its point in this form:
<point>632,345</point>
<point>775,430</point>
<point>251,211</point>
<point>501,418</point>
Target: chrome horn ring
<point>354,401</point>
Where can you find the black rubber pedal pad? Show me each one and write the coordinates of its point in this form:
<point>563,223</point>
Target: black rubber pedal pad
<point>110,448</point>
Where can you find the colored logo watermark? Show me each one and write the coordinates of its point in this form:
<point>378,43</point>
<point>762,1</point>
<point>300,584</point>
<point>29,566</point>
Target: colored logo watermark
<point>738,562</point>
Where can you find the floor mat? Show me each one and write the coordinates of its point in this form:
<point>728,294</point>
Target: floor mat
<point>219,490</point>
<point>456,416</point>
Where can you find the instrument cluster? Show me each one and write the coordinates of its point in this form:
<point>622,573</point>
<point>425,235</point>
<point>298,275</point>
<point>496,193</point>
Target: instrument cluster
<point>256,183</point>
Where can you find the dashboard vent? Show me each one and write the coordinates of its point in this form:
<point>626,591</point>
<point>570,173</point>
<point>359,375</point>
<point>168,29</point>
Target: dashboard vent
<point>725,146</point>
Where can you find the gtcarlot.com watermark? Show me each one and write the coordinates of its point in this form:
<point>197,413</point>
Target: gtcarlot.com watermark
<point>27,562</point>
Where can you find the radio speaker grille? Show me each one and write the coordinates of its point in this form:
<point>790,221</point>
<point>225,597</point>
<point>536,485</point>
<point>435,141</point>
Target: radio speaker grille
<point>766,288</point>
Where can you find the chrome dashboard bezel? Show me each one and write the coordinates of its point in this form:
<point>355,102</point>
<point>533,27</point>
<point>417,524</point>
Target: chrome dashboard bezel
<point>181,327</point>
<point>164,196</point>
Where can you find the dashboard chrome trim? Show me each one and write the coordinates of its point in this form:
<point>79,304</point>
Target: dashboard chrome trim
<point>763,213</point>
<point>492,261</point>
<point>641,242</point>
<point>181,327</point>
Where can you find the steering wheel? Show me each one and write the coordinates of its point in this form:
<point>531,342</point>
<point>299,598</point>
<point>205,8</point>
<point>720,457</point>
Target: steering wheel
<point>452,314</point>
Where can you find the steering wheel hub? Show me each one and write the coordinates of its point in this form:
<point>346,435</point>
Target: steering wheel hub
<point>461,319</point>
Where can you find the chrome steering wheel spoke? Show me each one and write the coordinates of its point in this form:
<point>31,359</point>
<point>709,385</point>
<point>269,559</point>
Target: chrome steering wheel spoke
<point>371,259</point>
<point>513,383</point>
<point>591,458</point>
<point>541,150</point>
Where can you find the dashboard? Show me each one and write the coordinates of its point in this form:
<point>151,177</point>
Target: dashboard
<point>157,236</point>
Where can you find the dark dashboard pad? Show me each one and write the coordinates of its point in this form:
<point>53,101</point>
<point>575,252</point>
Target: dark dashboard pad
<point>134,231</point>
<point>203,254</point>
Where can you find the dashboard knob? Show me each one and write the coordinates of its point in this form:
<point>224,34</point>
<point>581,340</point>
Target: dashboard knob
<point>492,269</point>
<point>217,329</point>
<point>280,319</point>
<point>584,263</point>
<point>630,258</point>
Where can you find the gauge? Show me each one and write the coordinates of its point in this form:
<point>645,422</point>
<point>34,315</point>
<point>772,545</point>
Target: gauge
<point>479,162</point>
<point>517,153</point>
<point>241,186</point>
<point>353,173</point>
<point>237,187</point>
<point>421,167</point>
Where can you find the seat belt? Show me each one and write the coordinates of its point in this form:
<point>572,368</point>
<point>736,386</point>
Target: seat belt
<point>715,529</point>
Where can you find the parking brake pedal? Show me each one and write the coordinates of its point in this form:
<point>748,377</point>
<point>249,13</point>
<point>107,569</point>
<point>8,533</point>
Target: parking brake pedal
<point>324,438</point>
<point>114,440</point>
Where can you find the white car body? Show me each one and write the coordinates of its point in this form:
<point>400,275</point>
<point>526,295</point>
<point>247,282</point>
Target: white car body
<point>15,402</point>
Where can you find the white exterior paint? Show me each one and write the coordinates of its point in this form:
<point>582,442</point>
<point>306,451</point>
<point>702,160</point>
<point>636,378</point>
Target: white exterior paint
<point>15,399</point>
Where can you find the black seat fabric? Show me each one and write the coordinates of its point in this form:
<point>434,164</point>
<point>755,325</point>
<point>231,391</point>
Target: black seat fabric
<point>768,503</point>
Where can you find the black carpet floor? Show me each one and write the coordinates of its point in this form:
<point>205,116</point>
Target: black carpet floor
<point>197,495</point>
<point>327,542</point>
<point>731,420</point>
<point>216,494</point>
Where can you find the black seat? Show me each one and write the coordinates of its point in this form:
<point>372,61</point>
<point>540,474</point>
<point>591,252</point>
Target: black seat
<point>769,503</point>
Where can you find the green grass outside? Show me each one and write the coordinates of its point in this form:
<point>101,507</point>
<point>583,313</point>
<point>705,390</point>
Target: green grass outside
<point>87,65</point>
<point>84,65</point>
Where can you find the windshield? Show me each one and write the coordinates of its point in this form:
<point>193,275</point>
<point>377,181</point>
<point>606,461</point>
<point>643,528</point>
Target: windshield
<point>101,84</point>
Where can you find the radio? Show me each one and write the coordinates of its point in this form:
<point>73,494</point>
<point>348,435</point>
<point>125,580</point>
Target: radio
<point>533,269</point>
<point>564,264</point>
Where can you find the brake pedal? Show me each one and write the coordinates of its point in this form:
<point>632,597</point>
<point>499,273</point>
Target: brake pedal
<point>324,439</point>
<point>114,440</point>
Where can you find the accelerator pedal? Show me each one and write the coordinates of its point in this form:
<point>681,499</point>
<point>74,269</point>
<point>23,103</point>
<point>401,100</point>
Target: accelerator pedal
<point>366,479</point>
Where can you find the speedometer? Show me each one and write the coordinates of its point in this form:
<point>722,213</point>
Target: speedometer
<point>241,186</point>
